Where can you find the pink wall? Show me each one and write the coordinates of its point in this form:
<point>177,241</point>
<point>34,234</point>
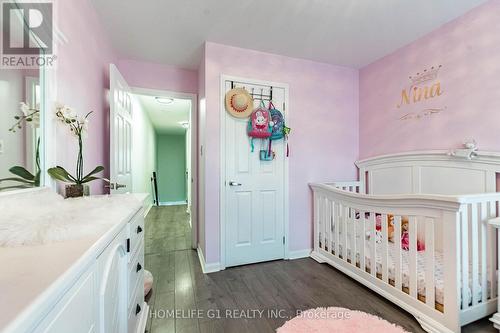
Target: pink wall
<point>468,48</point>
<point>324,121</point>
<point>156,76</point>
<point>83,82</point>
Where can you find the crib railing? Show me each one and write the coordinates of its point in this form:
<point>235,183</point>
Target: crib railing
<point>352,186</point>
<point>411,246</point>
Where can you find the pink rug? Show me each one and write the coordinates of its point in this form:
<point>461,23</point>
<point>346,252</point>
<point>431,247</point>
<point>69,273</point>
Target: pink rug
<point>338,320</point>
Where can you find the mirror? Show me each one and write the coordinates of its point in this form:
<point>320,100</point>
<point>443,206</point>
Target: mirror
<point>22,101</point>
<point>21,138</point>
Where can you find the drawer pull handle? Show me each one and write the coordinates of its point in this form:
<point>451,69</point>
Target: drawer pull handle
<point>139,267</point>
<point>139,229</point>
<point>137,309</point>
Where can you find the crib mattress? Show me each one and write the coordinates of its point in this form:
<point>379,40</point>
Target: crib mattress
<point>421,259</point>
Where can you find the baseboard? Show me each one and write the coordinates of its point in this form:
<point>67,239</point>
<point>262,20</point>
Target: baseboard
<point>299,254</point>
<point>148,208</point>
<point>173,203</point>
<point>207,268</point>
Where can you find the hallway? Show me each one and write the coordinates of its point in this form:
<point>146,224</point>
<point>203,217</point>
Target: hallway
<point>247,299</point>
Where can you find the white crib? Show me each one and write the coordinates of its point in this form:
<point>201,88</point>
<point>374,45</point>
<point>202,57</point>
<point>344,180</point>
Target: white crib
<point>447,240</point>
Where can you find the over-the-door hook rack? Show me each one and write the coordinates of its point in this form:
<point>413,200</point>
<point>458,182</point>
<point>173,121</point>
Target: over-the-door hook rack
<point>258,96</point>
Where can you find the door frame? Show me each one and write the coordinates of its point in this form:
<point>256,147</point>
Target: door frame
<point>222,184</point>
<point>193,123</point>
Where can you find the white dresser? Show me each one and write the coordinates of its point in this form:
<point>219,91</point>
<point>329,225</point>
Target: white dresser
<point>98,285</point>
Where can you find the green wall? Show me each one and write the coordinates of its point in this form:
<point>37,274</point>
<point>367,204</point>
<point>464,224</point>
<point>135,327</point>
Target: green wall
<point>171,167</point>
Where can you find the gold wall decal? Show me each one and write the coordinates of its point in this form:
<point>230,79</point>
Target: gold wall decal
<point>421,114</point>
<point>425,87</point>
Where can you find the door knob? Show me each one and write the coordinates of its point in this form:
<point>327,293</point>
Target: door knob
<point>111,186</point>
<point>231,183</point>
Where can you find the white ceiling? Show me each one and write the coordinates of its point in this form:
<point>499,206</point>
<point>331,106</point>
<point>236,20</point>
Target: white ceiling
<point>341,32</point>
<point>166,119</point>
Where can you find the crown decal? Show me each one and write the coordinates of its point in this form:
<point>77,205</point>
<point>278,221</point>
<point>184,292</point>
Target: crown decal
<point>426,75</point>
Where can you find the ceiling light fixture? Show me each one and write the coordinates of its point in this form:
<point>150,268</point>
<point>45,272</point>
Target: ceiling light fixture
<point>164,100</point>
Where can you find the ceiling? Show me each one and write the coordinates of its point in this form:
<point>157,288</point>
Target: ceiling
<point>340,32</point>
<point>166,119</point>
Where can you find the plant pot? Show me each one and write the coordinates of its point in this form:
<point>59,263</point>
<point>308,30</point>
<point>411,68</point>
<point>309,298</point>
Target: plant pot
<point>76,191</point>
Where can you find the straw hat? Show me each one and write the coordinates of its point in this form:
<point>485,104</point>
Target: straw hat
<point>239,103</point>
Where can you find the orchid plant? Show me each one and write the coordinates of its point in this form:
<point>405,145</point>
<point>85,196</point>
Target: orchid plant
<point>24,178</point>
<point>78,126</point>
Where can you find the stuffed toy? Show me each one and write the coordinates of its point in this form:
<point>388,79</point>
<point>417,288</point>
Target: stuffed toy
<point>390,226</point>
<point>405,237</point>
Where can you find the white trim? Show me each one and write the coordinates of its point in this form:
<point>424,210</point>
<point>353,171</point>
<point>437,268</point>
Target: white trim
<point>207,268</point>
<point>222,187</point>
<point>193,119</point>
<point>172,203</point>
<point>299,254</point>
<point>148,208</point>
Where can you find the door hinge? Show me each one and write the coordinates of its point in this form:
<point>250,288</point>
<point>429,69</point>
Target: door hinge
<point>128,245</point>
<point>283,106</point>
<point>283,240</point>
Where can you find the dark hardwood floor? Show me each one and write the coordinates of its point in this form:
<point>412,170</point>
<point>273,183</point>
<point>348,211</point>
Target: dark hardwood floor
<point>254,298</point>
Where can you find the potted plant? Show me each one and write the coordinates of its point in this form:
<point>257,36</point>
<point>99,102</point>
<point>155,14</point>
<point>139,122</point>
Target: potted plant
<point>22,177</point>
<point>78,183</point>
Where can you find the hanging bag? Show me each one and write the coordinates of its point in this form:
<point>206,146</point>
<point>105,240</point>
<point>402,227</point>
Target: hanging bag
<point>278,122</point>
<point>279,130</point>
<point>259,124</point>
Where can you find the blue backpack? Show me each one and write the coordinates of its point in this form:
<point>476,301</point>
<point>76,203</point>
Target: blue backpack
<point>279,130</point>
<point>278,122</point>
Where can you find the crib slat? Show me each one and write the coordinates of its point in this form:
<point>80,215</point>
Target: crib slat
<point>412,233</point>
<point>337,227</point>
<point>429,263</point>
<point>492,244</point>
<point>397,263</point>
<point>483,211</point>
<point>373,244</point>
<point>464,222</point>
<point>475,254</point>
<point>328,222</point>
<point>322,223</point>
<point>325,224</point>
<point>353,223</point>
<point>384,256</point>
<point>345,215</point>
<point>362,218</point>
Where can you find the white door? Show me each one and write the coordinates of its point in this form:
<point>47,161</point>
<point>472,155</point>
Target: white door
<point>120,133</point>
<point>254,191</point>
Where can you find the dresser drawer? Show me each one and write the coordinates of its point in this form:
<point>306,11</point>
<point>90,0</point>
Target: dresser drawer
<point>136,309</point>
<point>136,232</point>
<point>136,271</point>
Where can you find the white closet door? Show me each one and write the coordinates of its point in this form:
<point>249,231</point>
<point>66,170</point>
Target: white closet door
<point>254,191</point>
<point>120,133</point>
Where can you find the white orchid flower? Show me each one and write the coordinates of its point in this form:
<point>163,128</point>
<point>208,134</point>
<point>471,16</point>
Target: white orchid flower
<point>25,109</point>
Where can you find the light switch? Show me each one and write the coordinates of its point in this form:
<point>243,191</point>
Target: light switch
<point>1,147</point>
